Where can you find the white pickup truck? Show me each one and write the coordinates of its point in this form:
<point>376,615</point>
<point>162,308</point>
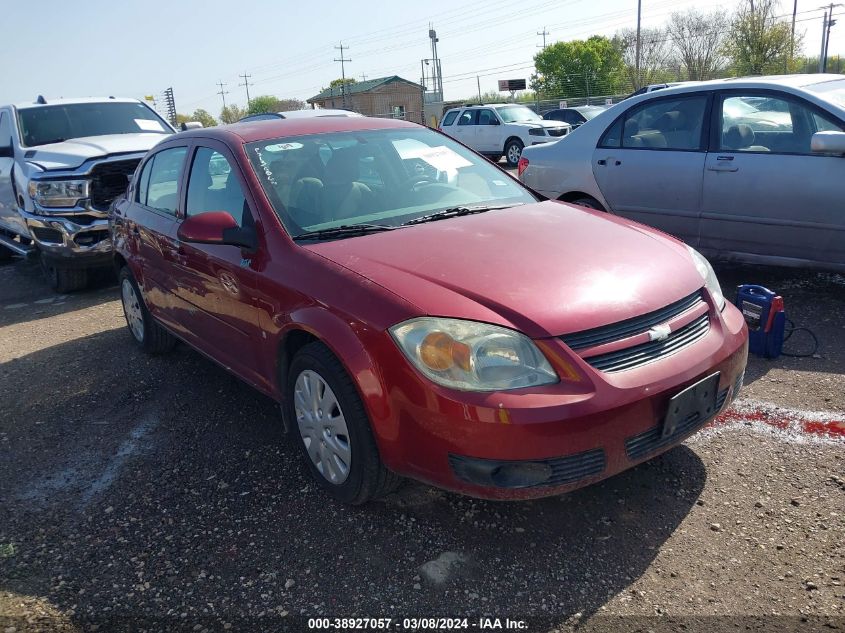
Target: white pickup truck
<point>62,163</point>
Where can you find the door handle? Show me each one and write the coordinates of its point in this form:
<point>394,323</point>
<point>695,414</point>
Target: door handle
<point>617,163</point>
<point>724,158</point>
<point>602,162</point>
<point>722,168</point>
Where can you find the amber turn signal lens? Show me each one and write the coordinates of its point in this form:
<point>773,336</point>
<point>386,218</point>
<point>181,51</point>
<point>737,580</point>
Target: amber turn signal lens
<point>440,352</point>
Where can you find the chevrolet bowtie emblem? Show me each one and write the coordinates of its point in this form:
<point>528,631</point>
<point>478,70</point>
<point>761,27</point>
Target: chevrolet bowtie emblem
<point>659,333</point>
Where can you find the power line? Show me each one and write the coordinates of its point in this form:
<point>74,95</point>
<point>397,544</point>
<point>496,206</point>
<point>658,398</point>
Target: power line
<point>245,84</point>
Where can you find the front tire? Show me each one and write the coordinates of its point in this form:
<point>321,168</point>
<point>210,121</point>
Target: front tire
<point>333,429</point>
<point>513,151</point>
<point>146,332</point>
<point>590,203</point>
<point>61,279</point>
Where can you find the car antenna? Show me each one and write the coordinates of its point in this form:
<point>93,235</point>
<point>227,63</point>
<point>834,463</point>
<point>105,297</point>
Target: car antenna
<point>41,100</point>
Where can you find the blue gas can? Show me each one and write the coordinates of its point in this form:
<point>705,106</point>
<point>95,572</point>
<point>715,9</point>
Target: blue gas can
<point>764,313</point>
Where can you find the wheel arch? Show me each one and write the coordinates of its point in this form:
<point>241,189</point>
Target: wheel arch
<point>572,196</point>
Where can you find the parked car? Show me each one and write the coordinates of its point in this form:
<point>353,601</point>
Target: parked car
<point>62,162</point>
<point>298,114</point>
<point>575,116</point>
<point>500,129</point>
<point>659,86</point>
<point>758,182</point>
<point>420,313</point>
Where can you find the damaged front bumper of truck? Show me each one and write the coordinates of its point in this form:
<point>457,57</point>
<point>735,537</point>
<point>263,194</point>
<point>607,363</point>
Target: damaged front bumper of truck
<point>74,236</point>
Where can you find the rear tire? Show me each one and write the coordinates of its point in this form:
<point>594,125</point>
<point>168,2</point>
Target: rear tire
<point>590,203</point>
<point>146,332</point>
<point>321,398</point>
<point>513,151</point>
<point>62,279</point>
<point>495,158</point>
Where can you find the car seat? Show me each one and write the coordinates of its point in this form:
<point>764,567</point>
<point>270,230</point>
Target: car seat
<point>342,196</point>
<point>741,137</point>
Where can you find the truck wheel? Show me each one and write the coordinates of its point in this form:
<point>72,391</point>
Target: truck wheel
<point>513,150</point>
<point>147,334</point>
<point>333,428</point>
<point>590,203</point>
<point>62,279</point>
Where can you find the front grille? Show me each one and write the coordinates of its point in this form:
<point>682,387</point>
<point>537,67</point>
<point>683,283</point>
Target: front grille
<point>109,180</point>
<point>631,327</point>
<point>651,441</point>
<point>638,355</point>
<point>557,131</point>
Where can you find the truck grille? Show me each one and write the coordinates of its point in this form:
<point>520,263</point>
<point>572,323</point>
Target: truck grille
<point>109,180</point>
<point>558,131</point>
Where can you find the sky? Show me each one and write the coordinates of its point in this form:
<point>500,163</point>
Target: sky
<point>133,48</point>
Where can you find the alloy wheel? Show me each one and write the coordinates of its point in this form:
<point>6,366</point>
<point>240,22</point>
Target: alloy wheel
<point>322,426</point>
<point>132,310</point>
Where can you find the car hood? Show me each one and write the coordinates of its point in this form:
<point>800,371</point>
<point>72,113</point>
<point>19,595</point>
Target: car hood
<point>545,269</point>
<point>74,152</point>
<point>542,123</point>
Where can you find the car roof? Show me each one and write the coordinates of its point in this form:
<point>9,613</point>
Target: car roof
<point>251,131</point>
<point>302,114</point>
<point>487,105</point>
<point>73,101</point>
<point>767,81</point>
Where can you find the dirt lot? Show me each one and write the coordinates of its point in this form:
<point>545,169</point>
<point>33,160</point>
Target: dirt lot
<point>159,494</point>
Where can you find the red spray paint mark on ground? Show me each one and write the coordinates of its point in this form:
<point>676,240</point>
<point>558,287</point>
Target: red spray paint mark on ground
<point>790,421</point>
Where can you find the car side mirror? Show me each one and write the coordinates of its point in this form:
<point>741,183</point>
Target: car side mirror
<point>6,151</point>
<point>191,125</point>
<point>828,142</point>
<point>217,227</point>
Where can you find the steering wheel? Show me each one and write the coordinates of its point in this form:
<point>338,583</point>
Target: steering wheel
<point>412,183</point>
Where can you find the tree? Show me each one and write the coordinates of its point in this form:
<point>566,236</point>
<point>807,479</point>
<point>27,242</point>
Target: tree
<point>203,117</point>
<point>697,39</point>
<point>335,84</point>
<point>758,43</point>
<point>655,54</point>
<point>262,104</point>
<point>286,105</point>
<point>578,68</point>
<point>232,113</point>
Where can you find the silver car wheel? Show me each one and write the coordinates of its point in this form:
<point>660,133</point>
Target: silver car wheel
<point>132,310</point>
<point>322,426</point>
<point>514,152</point>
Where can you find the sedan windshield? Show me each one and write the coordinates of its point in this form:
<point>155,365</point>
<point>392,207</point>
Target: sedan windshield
<point>382,178</point>
<point>61,122</point>
<point>518,114</point>
<point>833,91</point>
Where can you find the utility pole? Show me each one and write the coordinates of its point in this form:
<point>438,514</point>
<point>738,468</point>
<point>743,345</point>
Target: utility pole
<point>824,44</point>
<point>342,61</point>
<point>245,84</point>
<point>363,77</point>
<point>639,21</point>
<point>792,38</point>
<point>478,79</point>
<point>829,22</point>
<point>544,33</point>
<point>222,93</point>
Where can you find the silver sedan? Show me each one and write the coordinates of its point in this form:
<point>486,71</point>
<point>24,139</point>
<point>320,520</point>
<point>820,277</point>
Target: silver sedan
<point>748,170</point>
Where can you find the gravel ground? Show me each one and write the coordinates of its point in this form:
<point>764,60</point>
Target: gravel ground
<point>159,494</point>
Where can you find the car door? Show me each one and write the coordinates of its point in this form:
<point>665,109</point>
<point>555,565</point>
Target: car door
<point>487,135</point>
<point>464,128</point>
<point>8,208</point>
<point>218,281</point>
<point>765,192</point>
<point>649,163</point>
<point>149,225</point>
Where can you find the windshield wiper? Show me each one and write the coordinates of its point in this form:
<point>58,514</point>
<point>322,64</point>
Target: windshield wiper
<point>454,212</point>
<point>55,140</point>
<point>344,230</point>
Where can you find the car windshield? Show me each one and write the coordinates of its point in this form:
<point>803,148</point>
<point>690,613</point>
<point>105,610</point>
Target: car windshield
<point>833,91</point>
<point>56,123</point>
<point>518,114</point>
<point>589,113</point>
<point>375,177</point>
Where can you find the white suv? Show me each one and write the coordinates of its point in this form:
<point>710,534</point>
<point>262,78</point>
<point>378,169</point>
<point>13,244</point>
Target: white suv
<point>500,129</point>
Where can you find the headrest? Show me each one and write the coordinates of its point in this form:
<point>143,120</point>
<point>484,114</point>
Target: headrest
<point>670,121</point>
<point>342,167</point>
<point>739,136</point>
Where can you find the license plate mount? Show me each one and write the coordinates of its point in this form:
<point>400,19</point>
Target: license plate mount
<point>697,400</point>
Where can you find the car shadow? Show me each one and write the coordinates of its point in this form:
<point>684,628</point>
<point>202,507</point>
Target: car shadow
<point>138,488</point>
<point>26,296</point>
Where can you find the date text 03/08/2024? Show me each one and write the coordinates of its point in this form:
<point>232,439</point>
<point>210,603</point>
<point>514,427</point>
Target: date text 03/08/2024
<point>418,624</point>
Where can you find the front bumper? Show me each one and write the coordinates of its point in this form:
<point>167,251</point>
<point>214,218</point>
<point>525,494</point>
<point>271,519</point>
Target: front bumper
<point>548,440</point>
<point>81,238</point>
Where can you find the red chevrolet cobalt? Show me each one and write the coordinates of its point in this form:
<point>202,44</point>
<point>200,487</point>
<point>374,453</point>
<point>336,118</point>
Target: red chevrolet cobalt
<point>420,313</point>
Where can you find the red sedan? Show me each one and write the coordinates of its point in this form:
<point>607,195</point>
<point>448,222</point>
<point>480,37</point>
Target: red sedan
<point>420,313</point>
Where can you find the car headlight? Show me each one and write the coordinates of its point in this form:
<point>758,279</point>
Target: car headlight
<point>472,356</point>
<point>710,280</point>
<point>537,131</point>
<point>58,193</point>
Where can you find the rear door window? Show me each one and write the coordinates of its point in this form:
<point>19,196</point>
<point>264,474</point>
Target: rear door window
<point>468,117</point>
<point>662,124</point>
<point>160,188</point>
